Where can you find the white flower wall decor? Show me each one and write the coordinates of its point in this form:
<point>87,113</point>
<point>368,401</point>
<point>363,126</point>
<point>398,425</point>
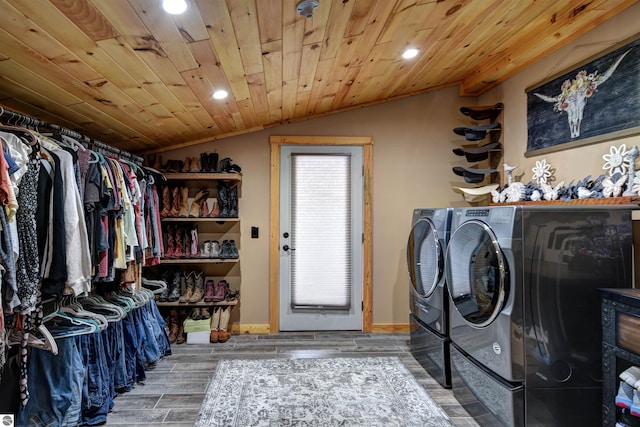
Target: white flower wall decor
<point>616,160</point>
<point>541,171</point>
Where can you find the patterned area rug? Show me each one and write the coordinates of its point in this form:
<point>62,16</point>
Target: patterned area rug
<point>373,391</point>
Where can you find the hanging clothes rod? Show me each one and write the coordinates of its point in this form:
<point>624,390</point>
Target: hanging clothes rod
<point>26,121</point>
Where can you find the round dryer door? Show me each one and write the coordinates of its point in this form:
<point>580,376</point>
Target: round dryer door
<point>476,273</point>
<point>425,257</point>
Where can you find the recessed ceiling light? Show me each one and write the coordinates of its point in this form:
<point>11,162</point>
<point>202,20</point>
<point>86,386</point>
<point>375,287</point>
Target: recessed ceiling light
<point>220,94</point>
<point>410,53</point>
<point>174,7</point>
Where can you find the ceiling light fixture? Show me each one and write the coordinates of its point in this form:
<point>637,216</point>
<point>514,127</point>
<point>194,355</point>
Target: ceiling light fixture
<point>306,7</point>
<point>174,7</point>
<point>410,53</point>
<point>220,94</point>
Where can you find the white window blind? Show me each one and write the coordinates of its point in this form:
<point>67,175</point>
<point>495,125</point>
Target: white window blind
<point>321,231</point>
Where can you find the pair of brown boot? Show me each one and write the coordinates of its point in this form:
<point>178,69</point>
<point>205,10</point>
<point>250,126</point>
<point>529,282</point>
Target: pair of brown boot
<point>176,328</point>
<point>219,324</point>
<point>191,164</point>
<point>175,203</point>
<point>193,287</point>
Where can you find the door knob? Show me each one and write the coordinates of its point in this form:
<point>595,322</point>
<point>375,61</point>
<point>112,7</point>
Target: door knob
<point>285,248</point>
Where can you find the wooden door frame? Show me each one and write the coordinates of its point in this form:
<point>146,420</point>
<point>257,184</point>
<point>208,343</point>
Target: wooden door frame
<point>274,226</point>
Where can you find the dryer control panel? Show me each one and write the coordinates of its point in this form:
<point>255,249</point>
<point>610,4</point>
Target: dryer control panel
<point>476,213</point>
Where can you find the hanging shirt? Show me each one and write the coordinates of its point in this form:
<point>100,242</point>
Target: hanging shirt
<point>78,261</point>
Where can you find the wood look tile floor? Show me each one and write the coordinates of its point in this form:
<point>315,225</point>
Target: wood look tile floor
<point>175,388</point>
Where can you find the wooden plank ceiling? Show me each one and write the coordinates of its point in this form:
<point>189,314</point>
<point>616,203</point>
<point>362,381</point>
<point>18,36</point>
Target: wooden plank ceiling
<point>130,75</point>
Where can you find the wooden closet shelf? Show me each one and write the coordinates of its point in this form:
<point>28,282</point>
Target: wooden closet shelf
<point>200,219</point>
<point>197,304</point>
<point>198,260</point>
<point>199,176</point>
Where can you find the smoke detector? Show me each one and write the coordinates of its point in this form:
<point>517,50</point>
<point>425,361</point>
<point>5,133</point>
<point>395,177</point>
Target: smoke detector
<point>306,7</point>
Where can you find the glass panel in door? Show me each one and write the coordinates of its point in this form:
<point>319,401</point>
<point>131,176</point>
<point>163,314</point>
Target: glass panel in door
<point>321,238</point>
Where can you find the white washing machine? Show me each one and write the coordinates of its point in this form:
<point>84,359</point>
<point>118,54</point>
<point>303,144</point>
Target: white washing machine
<point>525,314</point>
<point>429,302</point>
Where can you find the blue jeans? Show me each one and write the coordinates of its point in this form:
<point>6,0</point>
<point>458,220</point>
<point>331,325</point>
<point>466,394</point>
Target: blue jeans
<point>55,385</point>
<point>161,333</point>
<point>118,355</point>
<point>151,349</point>
<point>96,396</point>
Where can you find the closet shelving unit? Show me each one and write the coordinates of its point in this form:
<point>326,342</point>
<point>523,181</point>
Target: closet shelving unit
<point>209,228</point>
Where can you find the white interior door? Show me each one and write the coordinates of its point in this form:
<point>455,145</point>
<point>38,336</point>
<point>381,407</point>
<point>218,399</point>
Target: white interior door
<point>321,217</point>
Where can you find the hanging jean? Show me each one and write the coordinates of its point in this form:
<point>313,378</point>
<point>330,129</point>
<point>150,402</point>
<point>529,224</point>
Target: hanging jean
<point>55,384</point>
<point>96,395</point>
<point>118,355</point>
<point>133,351</point>
<point>152,352</point>
<point>161,333</point>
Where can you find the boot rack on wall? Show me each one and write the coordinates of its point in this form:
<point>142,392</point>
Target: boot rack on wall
<point>201,263</point>
<point>483,149</point>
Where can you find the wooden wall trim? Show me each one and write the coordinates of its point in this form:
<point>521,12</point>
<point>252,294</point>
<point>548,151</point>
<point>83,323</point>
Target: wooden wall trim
<point>274,222</point>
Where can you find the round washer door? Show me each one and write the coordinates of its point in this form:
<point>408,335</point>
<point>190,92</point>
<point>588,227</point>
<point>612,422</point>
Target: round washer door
<point>476,273</point>
<point>425,257</point>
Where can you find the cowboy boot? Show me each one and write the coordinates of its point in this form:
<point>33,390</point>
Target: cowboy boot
<point>233,202</point>
<point>175,202</point>
<point>232,249</point>
<point>166,278</point>
<point>209,291</point>
<point>195,165</point>
<point>198,289</point>
<point>186,242</point>
<point>221,291</point>
<point>186,165</point>
<point>204,162</point>
<point>224,250</point>
<point>215,324</point>
<point>189,283</point>
<point>182,336</point>
<point>223,199</point>
<point>173,326</point>
<point>215,208</point>
<point>170,250</point>
<point>194,212</point>
<point>184,202</point>
<point>166,202</point>
<point>204,313</point>
<point>195,245</point>
<point>157,162</point>
<point>214,250</point>
<point>176,285</point>
<point>223,335</point>
<point>213,161</point>
<point>206,249</point>
<point>177,253</point>
<point>195,314</point>
<point>204,208</point>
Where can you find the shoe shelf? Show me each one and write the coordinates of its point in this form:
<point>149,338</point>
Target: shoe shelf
<point>202,176</point>
<point>200,219</point>
<point>199,260</point>
<point>197,304</point>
